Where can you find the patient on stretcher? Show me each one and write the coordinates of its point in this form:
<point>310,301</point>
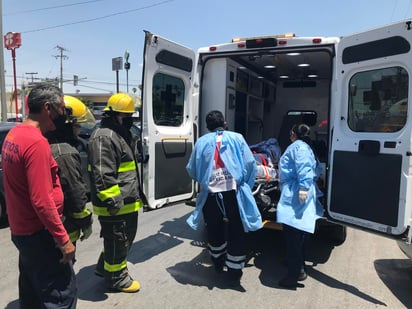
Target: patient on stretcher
<point>267,173</point>
<point>267,154</point>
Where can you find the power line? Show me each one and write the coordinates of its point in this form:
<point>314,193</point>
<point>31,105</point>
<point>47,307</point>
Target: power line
<point>90,87</point>
<point>99,18</point>
<point>52,7</point>
<point>100,82</point>
<point>67,79</point>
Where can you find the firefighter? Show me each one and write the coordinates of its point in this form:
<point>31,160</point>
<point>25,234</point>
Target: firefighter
<point>64,142</point>
<point>115,191</point>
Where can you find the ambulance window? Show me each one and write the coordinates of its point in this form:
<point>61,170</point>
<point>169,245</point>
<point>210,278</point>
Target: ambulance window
<point>168,98</point>
<point>378,100</point>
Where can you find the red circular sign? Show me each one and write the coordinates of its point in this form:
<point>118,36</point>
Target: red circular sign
<point>12,40</point>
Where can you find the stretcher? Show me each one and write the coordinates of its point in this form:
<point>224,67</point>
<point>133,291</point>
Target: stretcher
<point>266,193</point>
<point>266,187</point>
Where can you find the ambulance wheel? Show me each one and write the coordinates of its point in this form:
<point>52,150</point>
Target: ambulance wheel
<point>338,234</point>
<point>330,231</point>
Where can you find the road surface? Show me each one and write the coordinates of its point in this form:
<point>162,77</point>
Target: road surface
<point>171,263</point>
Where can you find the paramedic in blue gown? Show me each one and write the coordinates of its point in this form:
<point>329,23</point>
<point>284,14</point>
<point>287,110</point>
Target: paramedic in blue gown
<point>224,166</point>
<point>298,207</point>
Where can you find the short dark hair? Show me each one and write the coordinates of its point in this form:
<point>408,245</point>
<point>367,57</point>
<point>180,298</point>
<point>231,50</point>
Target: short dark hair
<point>42,93</point>
<point>214,120</point>
<point>301,130</point>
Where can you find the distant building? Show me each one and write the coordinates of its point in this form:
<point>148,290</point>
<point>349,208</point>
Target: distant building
<point>95,101</point>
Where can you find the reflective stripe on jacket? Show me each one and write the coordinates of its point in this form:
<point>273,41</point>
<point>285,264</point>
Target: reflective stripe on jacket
<point>114,182</point>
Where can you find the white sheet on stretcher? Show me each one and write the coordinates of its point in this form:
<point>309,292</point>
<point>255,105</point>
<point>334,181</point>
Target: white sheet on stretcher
<point>267,173</point>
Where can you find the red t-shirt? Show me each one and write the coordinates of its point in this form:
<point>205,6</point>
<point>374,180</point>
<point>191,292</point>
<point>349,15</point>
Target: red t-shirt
<point>34,198</point>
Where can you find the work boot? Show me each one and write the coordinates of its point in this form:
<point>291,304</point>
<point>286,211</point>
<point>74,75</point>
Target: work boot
<point>132,288</point>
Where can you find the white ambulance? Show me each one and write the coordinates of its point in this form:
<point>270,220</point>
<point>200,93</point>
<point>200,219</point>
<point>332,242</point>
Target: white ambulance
<point>353,92</point>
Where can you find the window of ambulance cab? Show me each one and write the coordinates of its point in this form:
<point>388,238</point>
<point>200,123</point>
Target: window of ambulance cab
<point>378,100</point>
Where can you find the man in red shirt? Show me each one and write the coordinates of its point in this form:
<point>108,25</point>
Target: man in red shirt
<point>34,201</point>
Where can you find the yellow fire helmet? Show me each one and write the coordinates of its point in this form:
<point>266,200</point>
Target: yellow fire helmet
<point>120,102</point>
<point>79,111</point>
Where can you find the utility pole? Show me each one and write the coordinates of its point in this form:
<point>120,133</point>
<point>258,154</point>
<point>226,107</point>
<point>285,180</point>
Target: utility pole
<point>31,73</point>
<point>61,56</point>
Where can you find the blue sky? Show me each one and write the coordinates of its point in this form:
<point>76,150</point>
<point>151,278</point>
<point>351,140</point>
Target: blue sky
<point>95,31</point>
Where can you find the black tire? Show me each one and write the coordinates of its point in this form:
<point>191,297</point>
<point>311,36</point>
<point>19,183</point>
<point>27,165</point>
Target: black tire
<point>336,233</point>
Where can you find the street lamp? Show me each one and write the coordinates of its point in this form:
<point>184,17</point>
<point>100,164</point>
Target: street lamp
<point>127,67</point>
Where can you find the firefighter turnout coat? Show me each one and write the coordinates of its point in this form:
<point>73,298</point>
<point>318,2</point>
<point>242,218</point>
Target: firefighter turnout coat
<point>76,215</point>
<point>114,177</point>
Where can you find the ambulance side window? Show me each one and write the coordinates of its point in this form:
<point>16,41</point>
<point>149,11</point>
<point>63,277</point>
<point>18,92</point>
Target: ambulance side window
<point>378,100</point>
<point>168,98</point>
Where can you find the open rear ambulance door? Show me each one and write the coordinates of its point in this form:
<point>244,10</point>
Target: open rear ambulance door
<point>167,132</point>
<point>370,167</point>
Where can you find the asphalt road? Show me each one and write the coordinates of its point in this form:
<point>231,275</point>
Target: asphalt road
<point>172,265</point>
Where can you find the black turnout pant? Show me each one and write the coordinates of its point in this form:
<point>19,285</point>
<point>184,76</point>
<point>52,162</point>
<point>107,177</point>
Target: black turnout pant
<point>118,234</point>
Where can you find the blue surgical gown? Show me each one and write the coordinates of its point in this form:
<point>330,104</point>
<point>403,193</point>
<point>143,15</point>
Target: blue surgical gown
<point>297,171</point>
<point>240,163</point>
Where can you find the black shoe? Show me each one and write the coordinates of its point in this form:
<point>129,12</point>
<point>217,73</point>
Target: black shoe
<point>302,276</point>
<point>231,281</point>
<point>219,267</point>
<point>288,283</point>
<point>219,263</point>
<point>233,276</point>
